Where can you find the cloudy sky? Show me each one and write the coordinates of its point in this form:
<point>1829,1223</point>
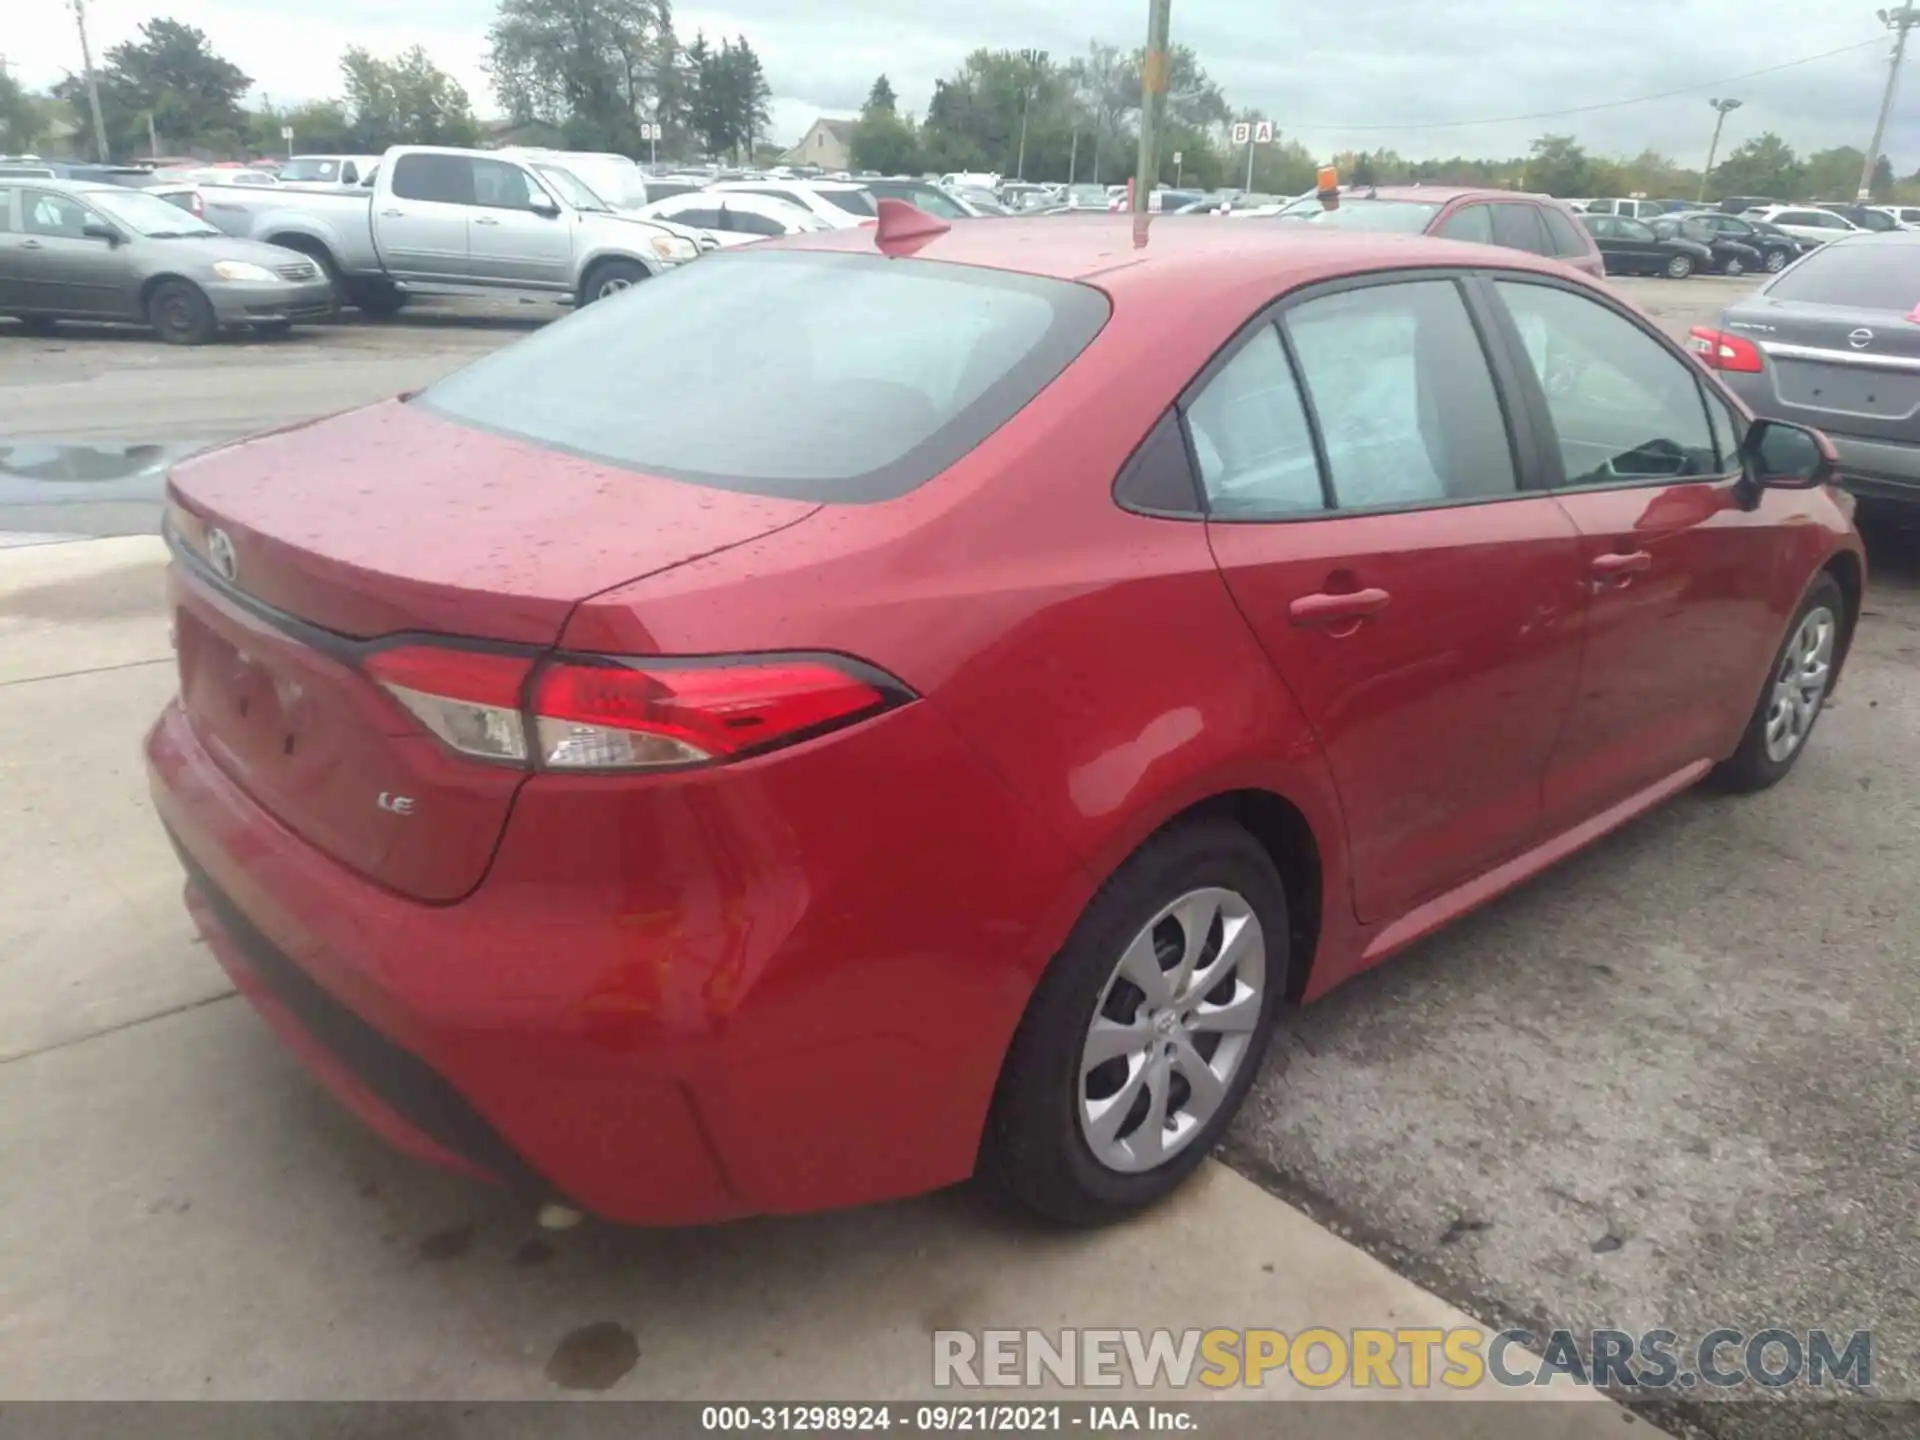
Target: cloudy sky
<point>1323,68</point>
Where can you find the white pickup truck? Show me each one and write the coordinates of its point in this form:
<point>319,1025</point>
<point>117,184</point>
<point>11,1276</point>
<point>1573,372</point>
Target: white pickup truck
<point>445,221</point>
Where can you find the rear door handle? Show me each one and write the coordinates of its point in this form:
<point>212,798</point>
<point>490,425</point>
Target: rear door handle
<point>1331,608</point>
<point>31,245</point>
<point>1609,566</point>
<point>485,220</point>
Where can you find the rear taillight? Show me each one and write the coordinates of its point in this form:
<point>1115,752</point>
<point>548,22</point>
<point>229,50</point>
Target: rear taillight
<point>469,698</point>
<point>586,713</point>
<point>1720,351</point>
<point>196,204</point>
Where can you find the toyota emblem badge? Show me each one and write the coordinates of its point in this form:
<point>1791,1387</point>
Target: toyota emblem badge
<point>220,554</point>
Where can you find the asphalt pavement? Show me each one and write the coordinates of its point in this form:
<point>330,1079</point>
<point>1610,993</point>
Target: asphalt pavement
<point>1671,1083</point>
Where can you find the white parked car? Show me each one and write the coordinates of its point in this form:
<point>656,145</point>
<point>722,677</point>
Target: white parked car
<point>841,204</point>
<point>1805,222</point>
<point>735,218</point>
<point>328,169</point>
<point>618,181</point>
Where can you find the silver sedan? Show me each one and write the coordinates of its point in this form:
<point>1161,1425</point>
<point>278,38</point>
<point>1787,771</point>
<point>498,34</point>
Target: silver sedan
<point>75,250</point>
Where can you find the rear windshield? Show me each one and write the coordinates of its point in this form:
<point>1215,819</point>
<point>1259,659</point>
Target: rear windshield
<point>1407,216</point>
<point>1861,276</point>
<point>811,376</point>
<point>310,167</point>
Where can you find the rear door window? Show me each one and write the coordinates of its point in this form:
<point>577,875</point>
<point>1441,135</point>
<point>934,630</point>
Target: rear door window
<point>1251,438</point>
<point>1565,235</point>
<point>445,179</point>
<point>1406,404</point>
<point>887,371</point>
<point>1469,222</point>
<point>1518,228</point>
<point>1861,275</point>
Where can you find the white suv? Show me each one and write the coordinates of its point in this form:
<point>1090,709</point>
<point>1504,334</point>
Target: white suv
<point>1804,222</point>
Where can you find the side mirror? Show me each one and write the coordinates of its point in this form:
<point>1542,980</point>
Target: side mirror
<point>542,203</point>
<point>1782,456</point>
<point>100,230</point>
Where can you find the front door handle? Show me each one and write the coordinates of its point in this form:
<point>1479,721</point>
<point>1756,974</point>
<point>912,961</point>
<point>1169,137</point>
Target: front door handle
<point>1338,607</point>
<point>485,220</point>
<point>31,245</point>
<point>392,214</point>
<point>1616,566</point>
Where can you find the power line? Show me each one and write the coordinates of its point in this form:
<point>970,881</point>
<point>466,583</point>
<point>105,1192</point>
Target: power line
<point>1607,104</point>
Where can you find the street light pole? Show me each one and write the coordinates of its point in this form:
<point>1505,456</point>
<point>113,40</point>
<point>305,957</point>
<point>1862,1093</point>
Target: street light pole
<point>1153,99</point>
<point>1035,59</point>
<point>93,82</point>
<point>1724,107</point>
<point>1900,22</point>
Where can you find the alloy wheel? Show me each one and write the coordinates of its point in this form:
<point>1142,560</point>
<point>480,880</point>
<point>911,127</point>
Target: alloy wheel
<point>1776,261</point>
<point>1171,1030</point>
<point>612,285</point>
<point>1680,267</point>
<point>1800,686</point>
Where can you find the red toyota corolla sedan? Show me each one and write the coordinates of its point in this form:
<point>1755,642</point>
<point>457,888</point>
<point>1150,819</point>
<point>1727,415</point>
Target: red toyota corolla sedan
<point>859,712</point>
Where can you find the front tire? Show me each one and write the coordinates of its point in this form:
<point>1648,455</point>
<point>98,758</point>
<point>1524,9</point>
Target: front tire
<point>1145,1033</point>
<point>1776,261</point>
<point>376,299</point>
<point>1733,267</point>
<point>1794,695</point>
<point>181,314</point>
<point>1679,267</point>
<point>609,278</point>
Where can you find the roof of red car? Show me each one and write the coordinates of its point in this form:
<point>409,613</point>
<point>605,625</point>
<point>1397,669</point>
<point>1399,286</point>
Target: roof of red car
<point>1120,252</point>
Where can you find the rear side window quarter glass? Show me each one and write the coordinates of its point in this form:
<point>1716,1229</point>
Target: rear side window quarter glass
<point>1158,478</point>
<point>1469,222</point>
<point>887,372</point>
<point>1517,226</point>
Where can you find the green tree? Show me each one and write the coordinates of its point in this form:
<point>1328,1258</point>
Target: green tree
<point>1832,174</point>
<point>883,141</point>
<point>172,75</point>
<point>321,125</point>
<point>590,67</point>
<point>22,120</point>
<point>1764,165</point>
<point>1560,165</point>
<point>1106,94</point>
<point>404,101</point>
<point>728,106</point>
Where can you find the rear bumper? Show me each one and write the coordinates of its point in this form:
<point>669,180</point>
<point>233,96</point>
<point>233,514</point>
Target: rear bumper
<point>1881,469</point>
<point>658,1016</point>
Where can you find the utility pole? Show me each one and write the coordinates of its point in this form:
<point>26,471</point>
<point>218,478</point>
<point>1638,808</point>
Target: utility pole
<point>1035,59</point>
<point>93,82</point>
<point>1153,100</point>
<point>153,139</point>
<point>1073,156</point>
<point>1724,108</point>
<point>1900,22</point>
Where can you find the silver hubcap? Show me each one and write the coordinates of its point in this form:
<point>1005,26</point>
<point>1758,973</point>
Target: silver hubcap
<point>1172,1028</point>
<point>614,286</point>
<point>1801,684</point>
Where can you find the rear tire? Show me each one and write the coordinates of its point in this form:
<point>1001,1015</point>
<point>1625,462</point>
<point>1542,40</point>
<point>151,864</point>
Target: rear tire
<point>1776,261</point>
<point>1733,267</point>
<point>609,278</point>
<point>1794,694</point>
<point>1112,1094</point>
<point>1679,267</point>
<point>376,299</point>
<point>181,314</point>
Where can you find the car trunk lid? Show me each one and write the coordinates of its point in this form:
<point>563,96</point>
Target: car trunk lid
<point>303,553</point>
<point>1854,370</point>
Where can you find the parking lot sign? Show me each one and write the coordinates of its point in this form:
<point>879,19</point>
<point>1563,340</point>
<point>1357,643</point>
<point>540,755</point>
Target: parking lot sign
<point>1242,132</point>
<point>1263,133</point>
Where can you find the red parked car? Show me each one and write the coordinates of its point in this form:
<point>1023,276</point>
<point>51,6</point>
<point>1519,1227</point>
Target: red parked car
<point>866,710</point>
<point>1537,224</point>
